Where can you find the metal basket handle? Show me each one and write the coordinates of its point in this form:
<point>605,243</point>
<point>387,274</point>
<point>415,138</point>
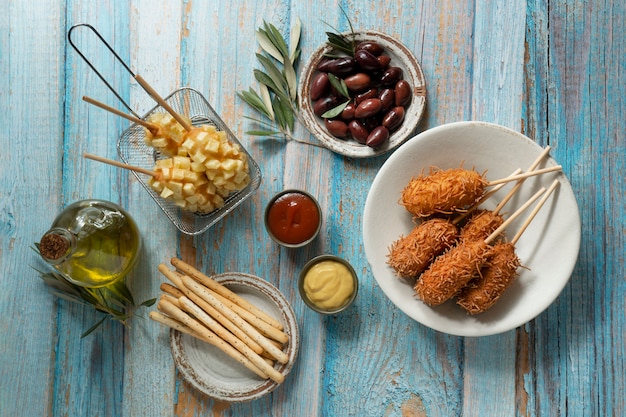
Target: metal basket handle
<point>147,88</point>
<point>119,59</point>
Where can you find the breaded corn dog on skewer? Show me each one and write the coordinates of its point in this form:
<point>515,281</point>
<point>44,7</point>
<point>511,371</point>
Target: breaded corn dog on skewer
<point>452,190</point>
<point>499,271</point>
<point>450,272</point>
<point>485,222</point>
<point>410,255</point>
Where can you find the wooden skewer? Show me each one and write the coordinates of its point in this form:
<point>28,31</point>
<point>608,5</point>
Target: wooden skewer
<point>517,186</point>
<point>153,128</point>
<point>179,315</point>
<point>199,289</point>
<point>533,213</point>
<point>221,320</point>
<point>519,211</point>
<point>153,93</point>
<point>121,165</point>
<point>525,175</point>
<point>225,292</point>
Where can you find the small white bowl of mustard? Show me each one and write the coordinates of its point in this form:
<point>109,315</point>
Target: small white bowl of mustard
<point>328,284</point>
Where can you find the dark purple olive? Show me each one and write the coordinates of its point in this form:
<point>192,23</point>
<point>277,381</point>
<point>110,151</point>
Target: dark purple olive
<point>373,48</point>
<point>387,96</point>
<point>384,61</point>
<point>324,104</point>
<point>391,76</point>
<point>393,118</point>
<point>348,112</point>
<point>319,86</point>
<point>342,66</point>
<point>377,136</point>
<point>324,64</point>
<point>358,131</point>
<point>367,60</point>
<point>372,122</point>
<point>357,82</point>
<point>371,93</point>
<point>368,108</point>
<point>337,128</point>
<point>403,93</point>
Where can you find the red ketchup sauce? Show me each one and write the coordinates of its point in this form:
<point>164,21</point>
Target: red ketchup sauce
<point>293,218</point>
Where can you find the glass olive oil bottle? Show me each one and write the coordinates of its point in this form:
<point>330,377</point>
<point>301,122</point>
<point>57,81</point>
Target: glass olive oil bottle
<point>93,243</point>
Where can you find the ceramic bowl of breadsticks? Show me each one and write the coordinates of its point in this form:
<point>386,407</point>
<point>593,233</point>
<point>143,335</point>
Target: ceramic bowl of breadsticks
<point>189,161</point>
<point>234,336</point>
<point>471,228</point>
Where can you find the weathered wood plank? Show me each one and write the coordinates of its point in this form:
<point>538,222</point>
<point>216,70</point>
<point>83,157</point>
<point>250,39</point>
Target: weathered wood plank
<point>497,91</point>
<point>574,79</point>
<point>32,75</point>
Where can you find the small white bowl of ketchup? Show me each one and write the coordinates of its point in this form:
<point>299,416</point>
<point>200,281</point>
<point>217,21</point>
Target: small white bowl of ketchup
<point>293,218</point>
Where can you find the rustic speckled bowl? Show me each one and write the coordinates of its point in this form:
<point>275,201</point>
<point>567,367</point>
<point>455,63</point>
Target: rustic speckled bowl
<point>215,374</point>
<point>402,57</point>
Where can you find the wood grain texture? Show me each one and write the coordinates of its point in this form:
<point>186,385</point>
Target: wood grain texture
<point>551,69</point>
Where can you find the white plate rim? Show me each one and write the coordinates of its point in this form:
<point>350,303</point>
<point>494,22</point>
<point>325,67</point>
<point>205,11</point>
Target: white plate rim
<point>497,320</point>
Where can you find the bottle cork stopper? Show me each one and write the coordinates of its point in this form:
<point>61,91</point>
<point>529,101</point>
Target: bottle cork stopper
<point>53,246</point>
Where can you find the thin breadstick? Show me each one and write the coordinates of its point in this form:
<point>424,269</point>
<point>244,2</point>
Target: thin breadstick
<point>153,93</point>
<point>513,216</point>
<point>202,316</point>
<point>533,213</point>
<point>525,175</point>
<point>182,317</point>
<point>222,290</point>
<point>170,289</point>
<point>201,291</point>
<point>264,328</point>
<point>519,183</point>
<point>121,164</point>
<point>175,324</point>
<point>169,298</point>
<point>153,128</point>
<point>219,317</point>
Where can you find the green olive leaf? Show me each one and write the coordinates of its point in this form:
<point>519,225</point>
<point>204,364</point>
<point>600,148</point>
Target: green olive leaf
<point>262,133</point>
<point>335,111</point>
<point>276,38</point>
<point>267,100</point>
<point>339,84</point>
<point>268,46</point>
<point>294,41</point>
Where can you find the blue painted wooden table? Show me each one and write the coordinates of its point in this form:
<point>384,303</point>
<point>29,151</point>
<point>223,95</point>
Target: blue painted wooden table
<point>550,69</point>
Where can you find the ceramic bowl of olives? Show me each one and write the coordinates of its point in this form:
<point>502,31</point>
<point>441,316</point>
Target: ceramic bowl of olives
<point>364,101</point>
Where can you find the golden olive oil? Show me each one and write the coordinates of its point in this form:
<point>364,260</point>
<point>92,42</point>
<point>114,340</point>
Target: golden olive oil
<point>103,243</point>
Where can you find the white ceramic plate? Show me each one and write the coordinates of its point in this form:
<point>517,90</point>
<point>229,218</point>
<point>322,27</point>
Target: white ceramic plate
<point>548,248</point>
<point>401,57</point>
<point>217,375</point>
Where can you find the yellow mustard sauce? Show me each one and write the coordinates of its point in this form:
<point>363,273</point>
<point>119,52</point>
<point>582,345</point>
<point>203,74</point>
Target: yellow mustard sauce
<point>328,284</point>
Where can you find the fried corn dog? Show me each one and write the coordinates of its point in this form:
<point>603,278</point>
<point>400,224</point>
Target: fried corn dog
<point>410,255</point>
<point>442,192</point>
<point>495,277</point>
<point>450,272</point>
<point>480,225</point>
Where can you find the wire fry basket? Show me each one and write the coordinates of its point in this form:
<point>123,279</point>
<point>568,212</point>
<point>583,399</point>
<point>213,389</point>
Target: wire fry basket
<point>133,150</point>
